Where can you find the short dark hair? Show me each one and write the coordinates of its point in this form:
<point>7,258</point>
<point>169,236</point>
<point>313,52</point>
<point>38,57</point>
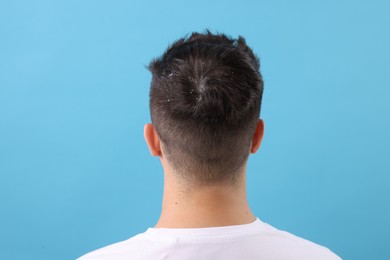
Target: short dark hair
<point>205,100</point>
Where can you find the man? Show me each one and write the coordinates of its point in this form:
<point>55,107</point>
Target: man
<point>205,100</point>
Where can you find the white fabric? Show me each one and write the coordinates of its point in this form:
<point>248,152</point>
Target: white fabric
<point>256,240</point>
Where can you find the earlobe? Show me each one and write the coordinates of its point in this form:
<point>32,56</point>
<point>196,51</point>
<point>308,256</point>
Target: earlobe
<point>258,136</point>
<point>152,140</point>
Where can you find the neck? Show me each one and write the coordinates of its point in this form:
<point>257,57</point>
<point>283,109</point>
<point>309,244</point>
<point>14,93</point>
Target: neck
<point>205,206</point>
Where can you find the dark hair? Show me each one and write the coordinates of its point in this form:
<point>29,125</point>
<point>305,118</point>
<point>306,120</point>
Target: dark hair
<point>205,100</point>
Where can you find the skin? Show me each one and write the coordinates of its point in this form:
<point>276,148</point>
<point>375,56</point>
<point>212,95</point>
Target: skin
<point>186,205</point>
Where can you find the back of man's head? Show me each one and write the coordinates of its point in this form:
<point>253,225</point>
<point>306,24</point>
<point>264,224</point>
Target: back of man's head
<point>205,100</point>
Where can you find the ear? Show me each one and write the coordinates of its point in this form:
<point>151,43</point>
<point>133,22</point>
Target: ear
<point>152,140</point>
<point>258,136</point>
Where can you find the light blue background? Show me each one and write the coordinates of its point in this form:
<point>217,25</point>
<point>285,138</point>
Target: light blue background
<point>75,174</point>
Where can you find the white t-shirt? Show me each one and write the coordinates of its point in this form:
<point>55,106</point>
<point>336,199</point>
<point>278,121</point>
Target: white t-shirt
<point>254,241</point>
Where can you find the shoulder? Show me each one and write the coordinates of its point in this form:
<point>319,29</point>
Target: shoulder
<point>118,250</point>
<point>296,247</point>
